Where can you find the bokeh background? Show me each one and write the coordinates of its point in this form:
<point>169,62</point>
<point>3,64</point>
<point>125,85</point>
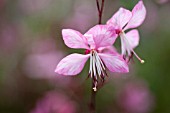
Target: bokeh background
<point>31,46</point>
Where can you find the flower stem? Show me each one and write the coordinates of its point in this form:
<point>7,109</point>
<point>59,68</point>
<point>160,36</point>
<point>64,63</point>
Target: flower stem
<point>98,6</point>
<point>93,100</point>
<point>100,10</point>
<point>93,92</point>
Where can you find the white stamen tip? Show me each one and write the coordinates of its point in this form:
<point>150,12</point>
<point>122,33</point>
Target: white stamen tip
<point>142,61</point>
<point>95,89</point>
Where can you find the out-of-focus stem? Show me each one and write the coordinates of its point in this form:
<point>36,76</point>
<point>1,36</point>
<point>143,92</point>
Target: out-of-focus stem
<point>93,100</point>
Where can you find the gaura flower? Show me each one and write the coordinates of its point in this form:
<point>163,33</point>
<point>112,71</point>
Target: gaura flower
<point>123,20</point>
<point>135,97</point>
<point>55,102</point>
<point>98,43</point>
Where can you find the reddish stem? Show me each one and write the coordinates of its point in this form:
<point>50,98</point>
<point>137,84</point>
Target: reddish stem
<point>93,100</point>
<point>98,6</point>
<point>100,10</point>
<point>93,93</point>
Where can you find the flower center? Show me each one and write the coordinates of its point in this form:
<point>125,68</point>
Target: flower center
<point>87,52</point>
<point>97,69</point>
<point>118,31</point>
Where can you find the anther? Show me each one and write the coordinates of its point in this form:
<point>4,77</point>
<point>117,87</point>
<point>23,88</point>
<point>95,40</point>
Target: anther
<point>95,85</point>
<point>142,61</point>
<point>95,89</point>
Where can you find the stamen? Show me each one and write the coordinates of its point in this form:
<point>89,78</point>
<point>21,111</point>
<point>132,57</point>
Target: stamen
<point>98,66</point>
<point>94,68</point>
<point>100,60</point>
<point>95,89</point>
<point>97,69</point>
<point>95,86</point>
<point>142,61</point>
<point>91,70</point>
<point>128,48</point>
<point>124,57</point>
<point>101,66</point>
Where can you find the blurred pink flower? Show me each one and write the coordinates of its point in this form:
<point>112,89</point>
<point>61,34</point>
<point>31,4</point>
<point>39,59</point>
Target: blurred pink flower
<point>33,6</point>
<point>95,41</point>
<point>124,19</point>
<point>41,61</point>
<point>135,97</point>
<point>8,38</point>
<point>54,102</point>
<point>42,65</point>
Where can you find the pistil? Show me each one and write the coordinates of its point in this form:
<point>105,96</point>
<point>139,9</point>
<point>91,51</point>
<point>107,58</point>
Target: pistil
<point>142,61</point>
<point>128,47</point>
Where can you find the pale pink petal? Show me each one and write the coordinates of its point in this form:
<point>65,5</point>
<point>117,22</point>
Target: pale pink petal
<point>138,15</point>
<point>74,39</point>
<point>107,50</point>
<point>120,18</point>
<point>115,63</point>
<point>102,35</point>
<point>133,38</point>
<point>72,64</point>
<point>90,40</point>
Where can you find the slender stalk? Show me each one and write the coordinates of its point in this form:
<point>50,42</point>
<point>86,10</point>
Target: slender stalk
<point>100,10</point>
<point>98,6</point>
<point>93,93</point>
<point>93,100</point>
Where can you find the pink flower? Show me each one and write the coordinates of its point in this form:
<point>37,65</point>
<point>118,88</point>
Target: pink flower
<point>98,44</point>
<point>41,59</point>
<point>136,97</point>
<point>124,19</point>
<point>34,6</point>
<point>54,102</point>
<point>9,38</point>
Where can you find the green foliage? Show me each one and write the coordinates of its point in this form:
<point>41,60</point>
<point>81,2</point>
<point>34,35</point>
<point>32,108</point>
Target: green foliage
<point>129,4</point>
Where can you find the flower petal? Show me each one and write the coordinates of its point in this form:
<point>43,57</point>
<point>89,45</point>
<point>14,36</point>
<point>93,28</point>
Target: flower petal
<point>74,39</point>
<point>123,44</point>
<point>102,36</point>
<point>138,16</point>
<point>90,40</point>
<point>72,64</point>
<point>114,62</point>
<point>133,38</point>
<point>120,18</point>
<point>107,50</point>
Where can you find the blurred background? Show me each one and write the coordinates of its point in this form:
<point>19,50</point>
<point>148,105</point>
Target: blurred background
<point>31,46</point>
